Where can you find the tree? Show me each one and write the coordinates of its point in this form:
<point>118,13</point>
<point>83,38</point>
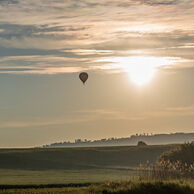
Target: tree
<point>141,143</point>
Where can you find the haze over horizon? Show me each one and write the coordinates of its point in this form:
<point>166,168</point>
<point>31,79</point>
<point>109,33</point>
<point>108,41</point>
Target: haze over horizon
<point>138,54</point>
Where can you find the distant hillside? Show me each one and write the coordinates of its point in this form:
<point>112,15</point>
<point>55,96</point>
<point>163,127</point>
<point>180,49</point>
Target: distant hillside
<point>157,139</point>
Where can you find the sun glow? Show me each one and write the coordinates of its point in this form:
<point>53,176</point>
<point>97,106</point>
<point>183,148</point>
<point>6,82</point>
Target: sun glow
<point>141,69</point>
<point>141,75</point>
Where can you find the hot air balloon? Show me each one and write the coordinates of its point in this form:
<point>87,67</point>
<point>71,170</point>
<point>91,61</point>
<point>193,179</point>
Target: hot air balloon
<point>83,77</point>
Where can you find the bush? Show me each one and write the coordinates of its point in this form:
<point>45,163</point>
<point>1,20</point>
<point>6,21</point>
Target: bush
<point>183,153</point>
<point>175,164</point>
<point>141,143</point>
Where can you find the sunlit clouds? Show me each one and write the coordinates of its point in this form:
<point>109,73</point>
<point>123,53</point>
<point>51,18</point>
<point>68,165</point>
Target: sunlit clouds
<point>141,69</point>
<point>87,31</point>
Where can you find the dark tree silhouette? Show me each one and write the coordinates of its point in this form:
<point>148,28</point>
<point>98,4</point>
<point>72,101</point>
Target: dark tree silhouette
<point>141,143</point>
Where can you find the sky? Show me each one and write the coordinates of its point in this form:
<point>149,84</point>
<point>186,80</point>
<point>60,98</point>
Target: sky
<point>139,55</point>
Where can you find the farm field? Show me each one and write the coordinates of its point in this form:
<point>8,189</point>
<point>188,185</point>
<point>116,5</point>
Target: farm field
<point>26,177</point>
<point>79,158</point>
<point>74,165</point>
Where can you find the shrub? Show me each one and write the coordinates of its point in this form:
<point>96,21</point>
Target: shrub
<point>183,153</point>
<point>141,143</point>
<point>175,164</point>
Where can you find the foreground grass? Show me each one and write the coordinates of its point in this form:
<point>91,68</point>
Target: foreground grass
<point>125,187</point>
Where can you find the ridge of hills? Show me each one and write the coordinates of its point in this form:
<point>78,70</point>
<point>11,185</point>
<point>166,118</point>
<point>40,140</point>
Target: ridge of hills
<point>156,139</point>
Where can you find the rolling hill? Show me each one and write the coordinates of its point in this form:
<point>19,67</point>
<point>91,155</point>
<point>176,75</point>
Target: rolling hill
<point>79,158</point>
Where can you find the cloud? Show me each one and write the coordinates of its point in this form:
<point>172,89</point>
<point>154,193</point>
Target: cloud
<point>25,123</point>
<point>172,112</point>
<point>159,2</point>
<point>91,115</point>
<point>105,114</point>
<point>86,31</point>
<point>166,112</point>
<point>8,2</point>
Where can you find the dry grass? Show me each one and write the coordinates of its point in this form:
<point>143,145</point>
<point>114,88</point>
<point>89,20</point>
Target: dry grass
<point>124,187</point>
<point>175,164</point>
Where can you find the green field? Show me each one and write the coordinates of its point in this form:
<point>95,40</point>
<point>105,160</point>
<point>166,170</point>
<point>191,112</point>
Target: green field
<point>20,177</point>
<point>79,158</point>
<point>97,170</point>
<point>74,165</point>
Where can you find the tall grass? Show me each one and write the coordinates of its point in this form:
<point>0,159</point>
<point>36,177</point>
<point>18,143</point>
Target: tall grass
<point>183,153</point>
<point>166,170</point>
<point>175,164</point>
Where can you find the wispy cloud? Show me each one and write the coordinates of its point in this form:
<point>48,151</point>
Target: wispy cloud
<point>166,112</point>
<point>42,122</point>
<point>86,31</point>
<point>106,114</point>
<point>169,112</point>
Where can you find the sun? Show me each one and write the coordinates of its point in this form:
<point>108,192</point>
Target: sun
<point>141,75</point>
<point>141,69</point>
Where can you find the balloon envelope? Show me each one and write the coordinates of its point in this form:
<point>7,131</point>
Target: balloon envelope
<point>83,77</point>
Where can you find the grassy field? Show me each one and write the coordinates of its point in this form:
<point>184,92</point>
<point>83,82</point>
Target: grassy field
<point>83,170</point>
<point>79,158</point>
<point>74,165</point>
<point>124,187</point>
<point>18,177</point>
